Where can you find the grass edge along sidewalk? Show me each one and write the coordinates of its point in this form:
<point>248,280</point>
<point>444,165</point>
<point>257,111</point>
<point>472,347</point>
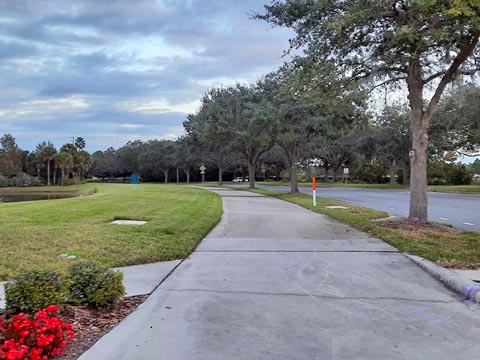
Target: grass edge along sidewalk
<point>451,248</point>
<point>34,233</point>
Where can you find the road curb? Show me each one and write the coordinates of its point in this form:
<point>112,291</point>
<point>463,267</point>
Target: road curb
<point>450,279</point>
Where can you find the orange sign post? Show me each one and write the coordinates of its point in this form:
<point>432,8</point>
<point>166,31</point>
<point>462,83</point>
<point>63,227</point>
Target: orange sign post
<point>314,190</point>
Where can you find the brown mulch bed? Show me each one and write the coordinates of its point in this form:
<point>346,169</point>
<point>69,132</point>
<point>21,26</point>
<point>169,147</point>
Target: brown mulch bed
<point>413,226</point>
<point>91,324</point>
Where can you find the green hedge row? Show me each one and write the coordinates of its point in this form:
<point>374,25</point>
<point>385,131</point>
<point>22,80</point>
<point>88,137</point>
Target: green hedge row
<point>85,283</point>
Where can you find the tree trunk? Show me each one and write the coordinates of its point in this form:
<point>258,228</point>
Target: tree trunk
<point>327,178</point>
<point>418,173</point>
<point>405,172</point>
<point>251,175</point>
<point>220,175</point>
<point>335,173</point>
<point>165,173</point>
<point>293,178</point>
<point>187,173</point>
<point>63,175</point>
<point>55,176</point>
<point>48,173</point>
<point>178,176</point>
<point>393,171</point>
<point>418,153</point>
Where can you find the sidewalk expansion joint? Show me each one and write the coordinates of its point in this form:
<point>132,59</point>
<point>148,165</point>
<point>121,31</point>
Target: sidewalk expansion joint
<point>328,297</point>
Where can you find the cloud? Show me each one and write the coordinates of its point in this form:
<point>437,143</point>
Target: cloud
<point>113,70</point>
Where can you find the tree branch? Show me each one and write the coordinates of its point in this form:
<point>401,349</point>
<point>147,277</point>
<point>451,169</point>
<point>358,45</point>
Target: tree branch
<point>397,78</point>
<point>470,154</point>
<point>433,76</point>
<point>466,49</point>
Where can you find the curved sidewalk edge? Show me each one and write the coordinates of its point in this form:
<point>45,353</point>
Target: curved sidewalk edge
<point>450,279</point>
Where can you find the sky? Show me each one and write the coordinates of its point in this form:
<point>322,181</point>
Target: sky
<point>120,70</point>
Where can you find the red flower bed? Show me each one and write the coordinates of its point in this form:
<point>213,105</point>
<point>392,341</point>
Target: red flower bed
<point>37,337</point>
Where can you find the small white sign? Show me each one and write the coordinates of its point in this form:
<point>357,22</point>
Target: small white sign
<point>346,171</point>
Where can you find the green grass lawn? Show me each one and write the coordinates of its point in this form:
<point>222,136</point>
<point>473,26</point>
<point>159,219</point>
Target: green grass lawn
<point>34,233</point>
<point>451,249</point>
<point>455,188</point>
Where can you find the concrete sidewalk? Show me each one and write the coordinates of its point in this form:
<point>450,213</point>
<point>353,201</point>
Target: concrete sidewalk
<point>276,281</point>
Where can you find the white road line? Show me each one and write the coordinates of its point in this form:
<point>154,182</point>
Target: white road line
<point>392,208</point>
<point>405,211</point>
<point>467,223</point>
<point>379,206</point>
<point>444,219</point>
<point>444,205</point>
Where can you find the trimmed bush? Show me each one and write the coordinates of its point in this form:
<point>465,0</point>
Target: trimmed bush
<point>22,180</point>
<point>33,290</point>
<point>4,181</point>
<point>89,284</point>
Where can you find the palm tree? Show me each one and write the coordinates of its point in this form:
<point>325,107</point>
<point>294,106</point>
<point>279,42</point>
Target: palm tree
<point>80,143</point>
<point>64,161</point>
<point>47,154</point>
<point>72,150</point>
<point>84,162</point>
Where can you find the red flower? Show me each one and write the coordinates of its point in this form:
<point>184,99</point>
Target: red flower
<point>52,308</point>
<point>45,335</point>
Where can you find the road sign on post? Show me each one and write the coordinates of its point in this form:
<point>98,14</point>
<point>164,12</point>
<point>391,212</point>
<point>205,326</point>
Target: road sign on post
<point>314,190</point>
<point>202,171</point>
<point>346,171</point>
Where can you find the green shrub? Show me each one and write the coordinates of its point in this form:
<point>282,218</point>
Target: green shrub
<point>442,173</point>
<point>4,181</point>
<point>36,182</point>
<point>33,290</point>
<point>22,180</point>
<point>89,284</point>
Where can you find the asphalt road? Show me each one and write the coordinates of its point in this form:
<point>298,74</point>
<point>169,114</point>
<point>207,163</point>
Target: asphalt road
<point>459,210</point>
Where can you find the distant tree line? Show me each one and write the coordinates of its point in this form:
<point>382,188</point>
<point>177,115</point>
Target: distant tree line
<point>45,165</point>
<point>286,127</point>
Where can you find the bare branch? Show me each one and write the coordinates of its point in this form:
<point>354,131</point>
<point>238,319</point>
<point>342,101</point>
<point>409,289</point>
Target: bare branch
<point>433,76</point>
<point>394,79</point>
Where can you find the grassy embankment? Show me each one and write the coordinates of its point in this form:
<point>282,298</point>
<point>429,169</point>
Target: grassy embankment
<point>439,188</point>
<point>448,248</point>
<point>34,233</point>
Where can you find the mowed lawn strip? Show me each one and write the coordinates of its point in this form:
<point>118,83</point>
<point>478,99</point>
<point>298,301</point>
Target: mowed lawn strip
<point>457,249</point>
<point>34,233</point>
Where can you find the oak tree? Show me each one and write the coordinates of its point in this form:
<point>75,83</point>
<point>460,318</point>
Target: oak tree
<point>424,44</point>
